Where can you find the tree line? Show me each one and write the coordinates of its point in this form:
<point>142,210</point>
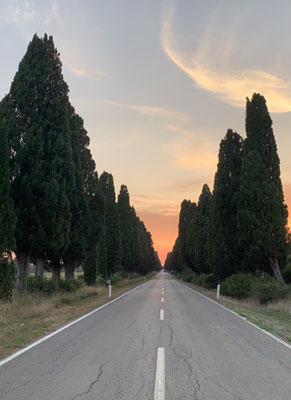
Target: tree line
<point>55,211</point>
<point>241,226</point>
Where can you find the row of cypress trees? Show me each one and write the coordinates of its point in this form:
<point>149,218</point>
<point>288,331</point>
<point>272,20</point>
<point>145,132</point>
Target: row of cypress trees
<point>241,225</point>
<point>54,210</point>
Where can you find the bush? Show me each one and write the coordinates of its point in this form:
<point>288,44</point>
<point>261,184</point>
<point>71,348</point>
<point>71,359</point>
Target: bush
<point>238,286</point>
<point>7,278</point>
<point>134,275</point>
<point>37,285</point>
<point>286,273</point>
<point>115,278</point>
<point>71,286</point>
<point>100,281</point>
<point>268,290</point>
<point>188,275</point>
<point>208,281</point>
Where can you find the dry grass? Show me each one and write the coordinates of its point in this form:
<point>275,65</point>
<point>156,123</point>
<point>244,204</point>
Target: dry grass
<point>24,320</point>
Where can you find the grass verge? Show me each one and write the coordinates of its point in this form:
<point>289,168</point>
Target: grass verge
<point>25,320</point>
<point>274,317</point>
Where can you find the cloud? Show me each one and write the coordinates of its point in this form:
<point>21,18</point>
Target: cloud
<point>53,14</point>
<point>21,13</point>
<point>155,205</point>
<point>190,150</point>
<point>189,184</point>
<point>80,72</point>
<point>152,110</point>
<point>212,73</point>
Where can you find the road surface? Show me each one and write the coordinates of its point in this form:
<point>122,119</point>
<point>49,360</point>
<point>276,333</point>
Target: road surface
<point>161,341</point>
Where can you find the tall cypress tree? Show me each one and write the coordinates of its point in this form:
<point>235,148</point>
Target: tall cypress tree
<point>76,251</point>
<point>96,229</point>
<point>37,122</point>
<point>199,234</point>
<point>186,213</point>
<point>260,143</point>
<point>7,217</point>
<point>112,229</point>
<point>261,232</point>
<point>224,248</point>
<point>125,217</point>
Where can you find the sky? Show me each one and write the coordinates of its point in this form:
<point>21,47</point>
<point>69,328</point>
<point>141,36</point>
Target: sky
<point>158,83</point>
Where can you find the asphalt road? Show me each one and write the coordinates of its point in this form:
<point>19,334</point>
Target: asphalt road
<point>130,349</point>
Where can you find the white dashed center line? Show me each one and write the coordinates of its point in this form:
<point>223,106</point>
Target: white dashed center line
<point>162,315</point>
<point>160,375</point>
<point>162,299</point>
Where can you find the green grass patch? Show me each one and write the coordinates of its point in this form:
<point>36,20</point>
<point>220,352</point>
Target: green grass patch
<point>274,321</point>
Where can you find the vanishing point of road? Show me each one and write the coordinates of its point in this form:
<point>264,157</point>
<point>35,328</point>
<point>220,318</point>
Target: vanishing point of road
<point>160,341</point>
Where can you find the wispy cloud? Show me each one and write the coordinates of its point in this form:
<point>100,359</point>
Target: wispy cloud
<point>152,110</point>
<point>53,13</point>
<point>80,72</point>
<point>155,205</point>
<point>232,86</point>
<point>189,184</point>
<point>190,150</point>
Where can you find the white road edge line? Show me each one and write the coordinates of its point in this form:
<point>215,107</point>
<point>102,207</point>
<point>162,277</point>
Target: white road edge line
<point>18,353</point>
<point>159,393</point>
<point>162,299</point>
<point>162,315</point>
<point>239,316</point>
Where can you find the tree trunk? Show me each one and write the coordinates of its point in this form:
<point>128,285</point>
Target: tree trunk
<point>276,269</point>
<point>69,272</point>
<point>56,274</point>
<point>22,271</point>
<point>40,267</point>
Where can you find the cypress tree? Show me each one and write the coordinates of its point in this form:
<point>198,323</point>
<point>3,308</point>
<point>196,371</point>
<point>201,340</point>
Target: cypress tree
<point>261,232</point>
<point>76,251</point>
<point>186,213</point>
<point>7,217</point>
<point>260,143</point>
<point>37,122</point>
<point>96,228</point>
<point>125,217</point>
<point>147,259</point>
<point>200,232</point>
<point>112,229</point>
<point>225,253</point>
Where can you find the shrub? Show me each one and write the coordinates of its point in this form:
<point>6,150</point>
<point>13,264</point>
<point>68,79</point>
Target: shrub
<point>100,281</point>
<point>238,286</point>
<point>268,290</point>
<point>286,273</point>
<point>188,275</point>
<point>134,275</point>
<point>71,286</point>
<point>7,278</point>
<point>208,281</point>
<point>37,285</point>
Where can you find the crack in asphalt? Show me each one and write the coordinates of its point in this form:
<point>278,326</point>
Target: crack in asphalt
<point>91,384</point>
<point>132,323</point>
<point>229,392</point>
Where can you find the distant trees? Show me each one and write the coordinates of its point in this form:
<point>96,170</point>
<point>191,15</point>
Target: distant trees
<point>241,226</point>
<point>54,209</point>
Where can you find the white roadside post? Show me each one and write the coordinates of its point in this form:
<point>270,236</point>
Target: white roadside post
<point>109,285</point>
<point>218,290</point>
